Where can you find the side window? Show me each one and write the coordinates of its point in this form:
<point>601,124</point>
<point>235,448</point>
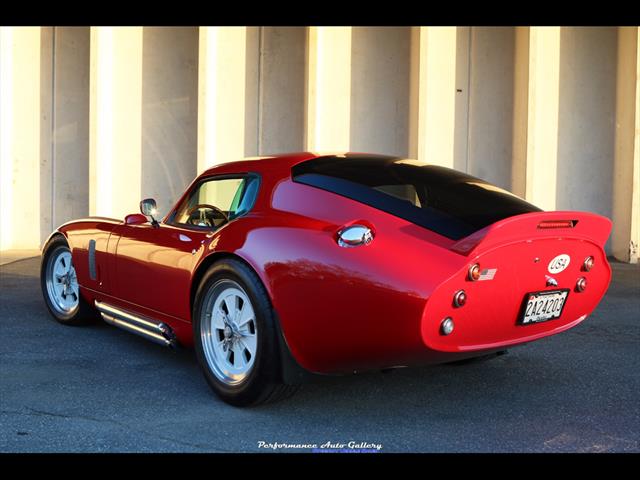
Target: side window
<point>214,202</point>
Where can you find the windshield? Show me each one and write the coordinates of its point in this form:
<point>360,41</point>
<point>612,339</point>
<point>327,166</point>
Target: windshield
<point>446,201</point>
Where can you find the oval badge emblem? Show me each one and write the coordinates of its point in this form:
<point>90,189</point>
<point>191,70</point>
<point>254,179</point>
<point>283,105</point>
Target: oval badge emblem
<point>559,263</point>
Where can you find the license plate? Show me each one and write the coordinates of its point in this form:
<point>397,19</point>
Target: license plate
<point>542,306</point>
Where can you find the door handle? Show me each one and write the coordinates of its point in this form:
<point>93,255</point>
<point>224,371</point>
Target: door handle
<point>354,236</point>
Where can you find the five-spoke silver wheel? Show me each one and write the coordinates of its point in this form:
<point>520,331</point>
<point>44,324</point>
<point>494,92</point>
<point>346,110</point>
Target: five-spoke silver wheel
<point>62,282</point>
<point>229,332</point>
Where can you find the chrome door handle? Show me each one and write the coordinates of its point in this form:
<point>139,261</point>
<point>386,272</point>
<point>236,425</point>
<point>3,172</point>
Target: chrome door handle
<point>355,236</point>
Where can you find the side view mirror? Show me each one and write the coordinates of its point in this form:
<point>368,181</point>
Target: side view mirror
<point>149,208</point>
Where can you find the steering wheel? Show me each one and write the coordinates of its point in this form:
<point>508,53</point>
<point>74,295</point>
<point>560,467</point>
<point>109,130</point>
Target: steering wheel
<point>206,216</point>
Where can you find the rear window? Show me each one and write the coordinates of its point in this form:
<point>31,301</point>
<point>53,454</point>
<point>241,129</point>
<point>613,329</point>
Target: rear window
<point>446,201</point>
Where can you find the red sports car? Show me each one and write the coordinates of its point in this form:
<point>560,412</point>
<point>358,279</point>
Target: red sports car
<point>278,267</point>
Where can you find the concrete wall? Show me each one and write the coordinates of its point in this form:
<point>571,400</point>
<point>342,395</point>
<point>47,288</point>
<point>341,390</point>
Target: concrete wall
<point>625,238</point>
<point>123,113</point>
<point>70,147</point>
<point>20,119</point>
<point>169,113</point>
<point>462,92</point>
<point>436,126</point>
<point>64,126</point>
<point>379,110</point>
<point>491,104</point>
<point>115,143</point>
<point>282,89</point>
<point>328,89</point>
<point>586,120</point>
<point>228,74</point>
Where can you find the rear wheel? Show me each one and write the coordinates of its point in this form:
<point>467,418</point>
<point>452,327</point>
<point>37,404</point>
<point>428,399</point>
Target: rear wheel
<point>235,336</point>
<point>60,287</point>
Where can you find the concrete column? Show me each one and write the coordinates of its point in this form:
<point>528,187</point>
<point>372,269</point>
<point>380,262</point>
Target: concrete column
<point>626,176</point>
<point>463,92</point>
<point>64,125</point>
<point>115,120</point>
<point>281,107</point>
<point>380,79</point>
<point>47,119</point>
<point>539,48</point>
<point>358,83</point>
<point>520,111</point>
<point>227,94</point>
<point>169,112</point>
<point>438,118</point>
<point>491,100</point>
<point>586,119</point>
<point>328,89</point>
<point>19,137</point>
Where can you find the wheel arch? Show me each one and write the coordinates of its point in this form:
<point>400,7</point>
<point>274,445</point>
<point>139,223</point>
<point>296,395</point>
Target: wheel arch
<point>51,238</point>
<point>290,369</point>
<point>212,258</point>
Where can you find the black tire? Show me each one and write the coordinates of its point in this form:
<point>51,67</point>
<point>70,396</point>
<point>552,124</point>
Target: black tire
<point>263,382</point>
<point>83,313</point>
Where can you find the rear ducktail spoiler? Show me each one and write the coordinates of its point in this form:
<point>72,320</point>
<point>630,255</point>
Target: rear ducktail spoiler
<point>536,225</point>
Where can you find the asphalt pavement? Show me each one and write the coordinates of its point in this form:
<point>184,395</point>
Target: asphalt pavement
<point>100,389</point>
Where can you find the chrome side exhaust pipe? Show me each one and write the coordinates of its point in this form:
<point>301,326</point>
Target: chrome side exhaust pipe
<point>157,332</point>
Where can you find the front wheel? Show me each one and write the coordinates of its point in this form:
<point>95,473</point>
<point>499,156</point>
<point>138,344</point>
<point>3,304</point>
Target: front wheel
<point>60,287</point>
<point>235,336</point>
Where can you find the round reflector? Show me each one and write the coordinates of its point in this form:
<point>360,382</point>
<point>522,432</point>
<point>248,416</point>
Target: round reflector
<point>446,327</point>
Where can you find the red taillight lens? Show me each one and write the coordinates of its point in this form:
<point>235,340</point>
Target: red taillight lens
<point>474,272</point>
<point>557,224</point>
<point>588,264</point>
<point>459,298</point>
<point>581,284</point>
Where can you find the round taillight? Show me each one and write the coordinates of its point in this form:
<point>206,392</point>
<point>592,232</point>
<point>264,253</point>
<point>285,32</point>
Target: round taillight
<point>459,298</point>
<point>474,272</point>
<point>446,327</point>
<point>588,264</point>
<point>581,284</point>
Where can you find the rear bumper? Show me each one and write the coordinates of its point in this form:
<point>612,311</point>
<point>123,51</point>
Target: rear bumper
<point>524,338</point>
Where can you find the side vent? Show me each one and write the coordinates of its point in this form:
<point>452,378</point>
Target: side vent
<point>92,260</point>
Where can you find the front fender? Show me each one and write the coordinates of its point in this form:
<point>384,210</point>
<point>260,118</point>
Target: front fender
<point>88,241</point>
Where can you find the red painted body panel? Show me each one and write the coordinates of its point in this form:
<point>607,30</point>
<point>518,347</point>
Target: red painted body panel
<point>343,309</point>
<point>79,233</point>
<point>489,317</point>
<point>154,266</point>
